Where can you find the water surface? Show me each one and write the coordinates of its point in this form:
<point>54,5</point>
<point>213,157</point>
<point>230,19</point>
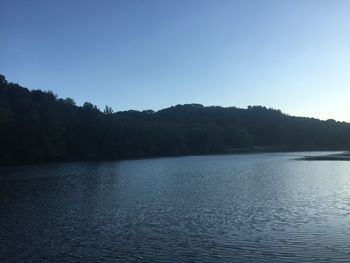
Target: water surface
<point>243,208</point>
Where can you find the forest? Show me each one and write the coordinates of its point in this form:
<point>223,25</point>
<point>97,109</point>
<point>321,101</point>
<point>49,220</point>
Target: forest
<point>37,127</point>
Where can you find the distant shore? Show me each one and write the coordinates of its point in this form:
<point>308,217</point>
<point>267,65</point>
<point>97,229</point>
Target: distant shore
<point>345,156</point>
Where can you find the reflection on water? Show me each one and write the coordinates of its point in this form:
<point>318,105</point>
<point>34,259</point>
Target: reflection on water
<point>259,207</point>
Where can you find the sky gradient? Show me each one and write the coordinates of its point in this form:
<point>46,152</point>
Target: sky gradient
<point>292,55</point>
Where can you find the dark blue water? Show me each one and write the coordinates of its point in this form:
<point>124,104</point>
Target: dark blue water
<point>232,208</point>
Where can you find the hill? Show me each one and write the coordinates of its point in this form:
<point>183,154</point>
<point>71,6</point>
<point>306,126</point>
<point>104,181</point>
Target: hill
<point>36,126</point>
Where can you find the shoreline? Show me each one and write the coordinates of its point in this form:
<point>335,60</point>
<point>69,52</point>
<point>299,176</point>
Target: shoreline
<point>345,156</point>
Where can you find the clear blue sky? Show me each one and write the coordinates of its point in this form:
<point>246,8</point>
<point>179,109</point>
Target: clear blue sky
<point>293,55</point>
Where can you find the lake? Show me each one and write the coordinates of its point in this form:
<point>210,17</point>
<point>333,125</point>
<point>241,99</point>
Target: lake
<point>266,207</point>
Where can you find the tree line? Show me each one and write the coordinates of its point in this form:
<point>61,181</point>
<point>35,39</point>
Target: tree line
<point>36,127</point>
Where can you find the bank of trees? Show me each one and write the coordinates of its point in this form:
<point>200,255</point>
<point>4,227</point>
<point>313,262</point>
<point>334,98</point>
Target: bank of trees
<point>37,126</point>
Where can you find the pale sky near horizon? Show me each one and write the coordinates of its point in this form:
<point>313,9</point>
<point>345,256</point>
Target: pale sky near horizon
<point>292,55</point>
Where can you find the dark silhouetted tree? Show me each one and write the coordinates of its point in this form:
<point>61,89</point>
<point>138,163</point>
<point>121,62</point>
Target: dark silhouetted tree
<point>36,126</point>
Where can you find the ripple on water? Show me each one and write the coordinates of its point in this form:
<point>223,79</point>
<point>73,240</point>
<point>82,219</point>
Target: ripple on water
<point>243,208</point>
